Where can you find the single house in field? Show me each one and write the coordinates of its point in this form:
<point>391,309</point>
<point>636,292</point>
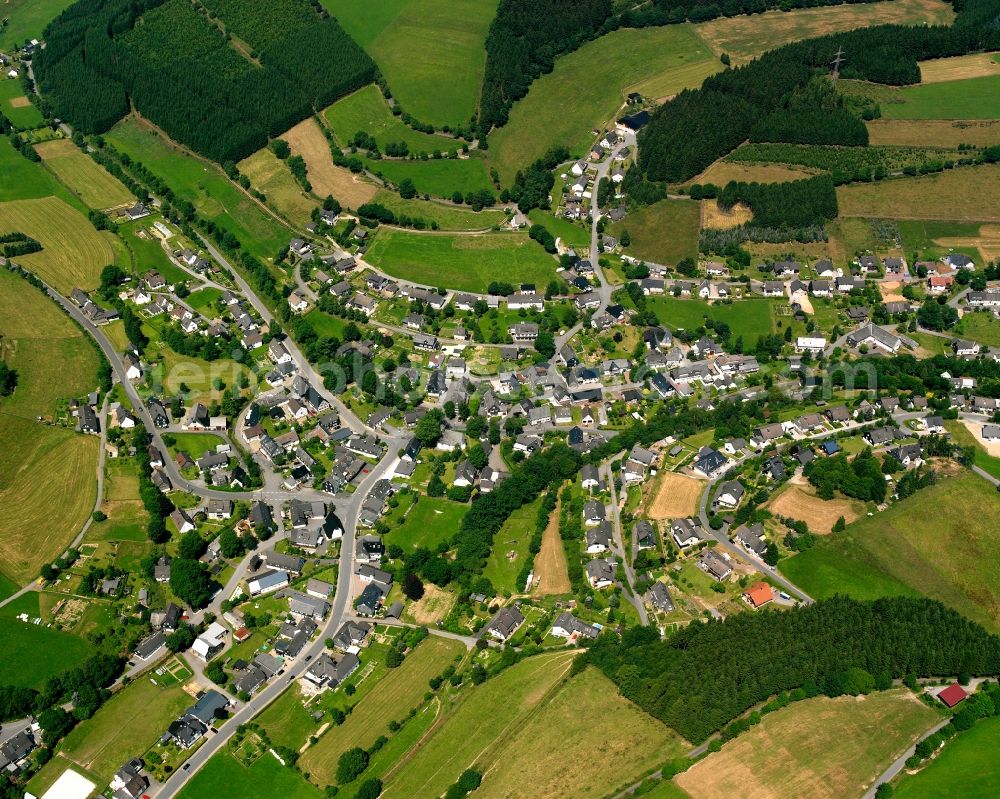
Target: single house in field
<point>505,623</point>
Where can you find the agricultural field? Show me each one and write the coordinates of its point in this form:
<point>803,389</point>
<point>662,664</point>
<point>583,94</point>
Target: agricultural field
<point>749,318</point>
<point>15,106</point>
<point>27,19</point>
<point>967,767</point>
<point>21,179</point>
<point>927,544</point>
<point>128,723</point>
<point>366,110</point>
<point>464,263</point>
<point>428,523</point>
<point>306,139</point>
<point>201,183</point>
<point>41,466</point>
<point>551,569</point>
<point>822,748</point>
<point>126,517</point>
<point>676,496</point>
<point>34,652</point>
<point>447,216</point>
<point>934,132</point>
<point>800,502</point>
<point>664,232</point>
<point>438,177</point>
<point>638,743</point>
<point>972,98</point>
<point>571,233</point>
<point>73,253</point>
<point>657,62</point>
<point>264,778</point>
<point>975,65</point>
<point>391,699</point>
<point>510,548</point>
<point>963,195</point>
<point>95,187</point>
<point>721,172</point>
<point>745,37</point>
<point>431,52</point>
<point>271,176</point>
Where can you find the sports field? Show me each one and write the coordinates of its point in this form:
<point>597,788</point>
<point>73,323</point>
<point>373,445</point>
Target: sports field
<point>438,177</point>
<point>27,19</point>
<point>201,183</point>
<point>392,698</point>
<point>584,91</point>
<point>264,778</point>
<point>431,52</point>
<point>676,496</point>
<point>34,652</point>
<point>447,216</point>
<point>800,502</point>
<point>510,548</point>
<point>973,98</point>
<point>967,767</point>
<point>73,253</point>
<point>821,748</point>
<point>366,110</point>
<point>664,232</point>
<point>431,521</point>
<point>744,37</point>
<point>928,544</point>
<point>464,263</point>
<point>962,195</point>
<point>96,187</point>
<point>15,106</point>
<point>934,132</point>
<point>271,176</point>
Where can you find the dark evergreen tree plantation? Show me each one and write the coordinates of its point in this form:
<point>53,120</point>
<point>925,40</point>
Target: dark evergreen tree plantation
<point>795,204</point>
<point>707,674</point>
<point>178,69</point>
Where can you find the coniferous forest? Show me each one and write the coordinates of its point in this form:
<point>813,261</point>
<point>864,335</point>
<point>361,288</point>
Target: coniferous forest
<point>777,97</point>
<point>179,67</point>
<point>705,675</point>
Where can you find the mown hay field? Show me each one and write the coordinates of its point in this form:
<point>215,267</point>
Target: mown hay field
<point>95,186</point>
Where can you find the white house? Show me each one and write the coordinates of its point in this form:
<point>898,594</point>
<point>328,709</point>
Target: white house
<point>813,344</point>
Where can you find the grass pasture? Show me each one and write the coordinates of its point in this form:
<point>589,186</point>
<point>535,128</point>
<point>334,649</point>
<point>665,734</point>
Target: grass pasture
<point>664,232</point>
<point>201,183</point>
<point>126,516</point>
<point>934,132</point>
<point>366,110</point>
<point>676,496</point>
<point>749,36</point>
<point>581,92</point>
<point>800,502</point>
<point>447,216</point>
<point>73,251</point>
<point>749,318</point>
<point>438,177</point>
<point>21,179</point>
<point>34,652</point>
<point>431,52</point>
<point>639,743</point>
<point>271,176</point>
<point>962,195</point>
<point>971,98</point>
<point>927,544</point>
<point>95,187</point>
<point>15,106</point>
<point>264,778</point>
<point>974,65</point>
<point>510,548</point>
<point>27,19</point>
<point>464,263</point>
<point>428,523</point>
<point>822,748</point>
<point>391,699</point>
<point>967,767</point>
<point>721,172</point>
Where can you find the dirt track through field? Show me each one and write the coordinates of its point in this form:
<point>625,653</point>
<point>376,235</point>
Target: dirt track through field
<point>676,497</point>
<point>550,562</point>
<point>307,140</point>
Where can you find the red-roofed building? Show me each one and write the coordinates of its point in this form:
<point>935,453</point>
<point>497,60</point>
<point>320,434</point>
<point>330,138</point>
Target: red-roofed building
<point>241,634</point>
<point>940,283</point>
<point>759,594</point>
<point>952,695</point>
